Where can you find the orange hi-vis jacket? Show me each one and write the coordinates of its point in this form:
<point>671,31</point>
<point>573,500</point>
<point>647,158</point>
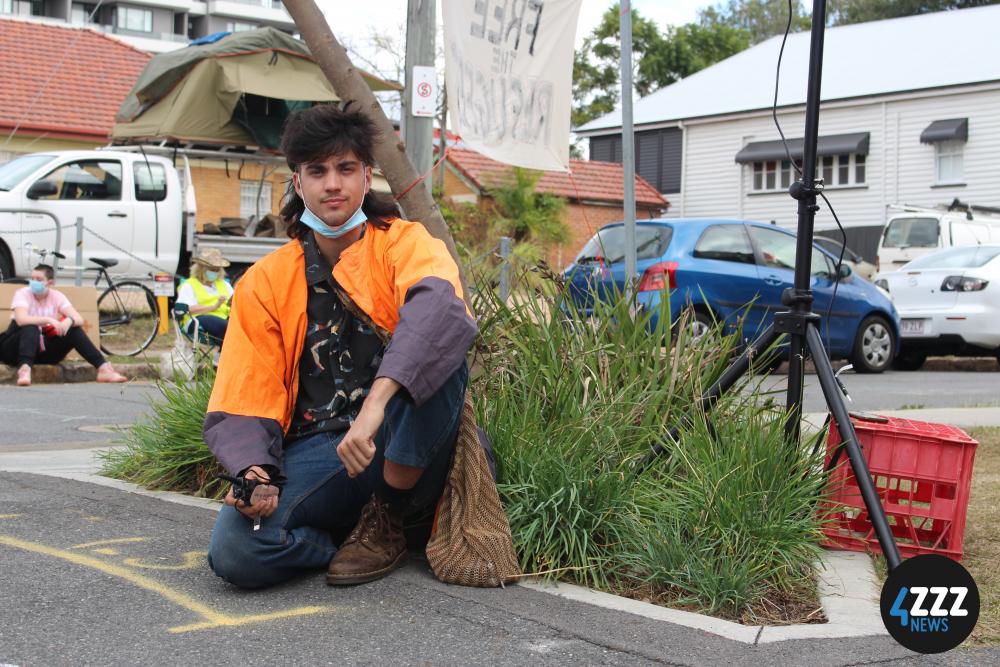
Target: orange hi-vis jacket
<point>401,277</point>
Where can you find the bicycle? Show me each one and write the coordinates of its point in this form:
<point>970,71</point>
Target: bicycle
<point>129,317</point>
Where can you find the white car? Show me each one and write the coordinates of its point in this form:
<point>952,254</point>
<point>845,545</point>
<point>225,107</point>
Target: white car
<point>949,303</point>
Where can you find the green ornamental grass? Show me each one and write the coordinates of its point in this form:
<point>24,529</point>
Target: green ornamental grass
<point>165,451</point>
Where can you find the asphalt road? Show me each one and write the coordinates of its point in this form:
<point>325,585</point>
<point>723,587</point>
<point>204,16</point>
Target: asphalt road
<point>98,576</point>
<point>64,416</point>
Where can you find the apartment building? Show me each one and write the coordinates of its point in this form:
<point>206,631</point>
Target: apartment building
<point>156,25</point>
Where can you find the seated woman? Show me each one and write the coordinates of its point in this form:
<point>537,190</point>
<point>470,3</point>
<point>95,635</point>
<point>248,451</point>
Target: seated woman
<point>45,327</point>
<point>207,295</point>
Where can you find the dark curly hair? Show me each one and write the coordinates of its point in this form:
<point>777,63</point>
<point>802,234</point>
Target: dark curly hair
<point>317,133</point>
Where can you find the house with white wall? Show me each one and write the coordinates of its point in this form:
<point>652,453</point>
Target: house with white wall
<point>910,114</point>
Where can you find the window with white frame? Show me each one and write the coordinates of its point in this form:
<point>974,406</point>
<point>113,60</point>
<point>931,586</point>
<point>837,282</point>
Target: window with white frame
<point>239,26</point>
<point>248,203</point>
<point>19,7</point>
<point>948,162</point>
<point>134,19</point>
<point>81,12</point>
<point>836,171</point>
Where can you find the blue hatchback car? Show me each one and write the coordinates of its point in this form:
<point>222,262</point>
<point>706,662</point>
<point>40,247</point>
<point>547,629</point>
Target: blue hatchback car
<point>719,267</point>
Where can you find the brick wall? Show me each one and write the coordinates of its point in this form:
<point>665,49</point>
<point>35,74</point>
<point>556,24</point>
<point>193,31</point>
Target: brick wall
<point>218,193</point>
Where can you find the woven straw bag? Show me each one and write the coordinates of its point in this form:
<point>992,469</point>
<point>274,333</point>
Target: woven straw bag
<point>471,544</point>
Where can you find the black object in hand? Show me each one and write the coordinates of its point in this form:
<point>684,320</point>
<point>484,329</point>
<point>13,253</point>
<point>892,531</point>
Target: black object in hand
<point>243,488</point>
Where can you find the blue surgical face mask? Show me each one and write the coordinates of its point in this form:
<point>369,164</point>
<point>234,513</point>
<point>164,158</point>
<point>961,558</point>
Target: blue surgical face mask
<point>313,222</point>
<point>37,286</point>
<point>211,276</point>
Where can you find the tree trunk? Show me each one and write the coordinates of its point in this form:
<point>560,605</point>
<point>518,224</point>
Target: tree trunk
<point>332,58</point>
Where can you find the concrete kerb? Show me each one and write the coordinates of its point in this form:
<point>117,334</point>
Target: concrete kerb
<point>848,586</point>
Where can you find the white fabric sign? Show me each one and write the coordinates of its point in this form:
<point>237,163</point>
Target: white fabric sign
<point>509,71</point>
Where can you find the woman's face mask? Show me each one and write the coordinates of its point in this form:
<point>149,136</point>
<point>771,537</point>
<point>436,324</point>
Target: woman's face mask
<point>38,287</point>
<point>211,276</point>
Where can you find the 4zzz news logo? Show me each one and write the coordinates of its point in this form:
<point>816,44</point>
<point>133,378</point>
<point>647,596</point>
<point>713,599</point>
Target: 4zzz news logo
<point>930,604</point>
<point>921,619</point>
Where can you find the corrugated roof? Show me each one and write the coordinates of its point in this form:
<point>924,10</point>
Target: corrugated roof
<point>591,181</point>
<point>63,80</point>
<point>912,53</point>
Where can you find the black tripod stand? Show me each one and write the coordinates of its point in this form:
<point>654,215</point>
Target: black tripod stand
<point>800,323</point>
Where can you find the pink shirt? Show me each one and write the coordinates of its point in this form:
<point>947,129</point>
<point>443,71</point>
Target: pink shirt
<point>53,304</point>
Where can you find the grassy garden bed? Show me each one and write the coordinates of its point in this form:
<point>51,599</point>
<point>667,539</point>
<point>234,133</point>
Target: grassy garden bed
<point>723,522</point>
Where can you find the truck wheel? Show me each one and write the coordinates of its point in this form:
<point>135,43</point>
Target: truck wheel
<point>873,345</point>
<point>6,264</point>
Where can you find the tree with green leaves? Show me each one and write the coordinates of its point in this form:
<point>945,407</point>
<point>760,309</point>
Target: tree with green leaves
<point>844,12</point>
<point>660,58</point>
<point>596,66</point>
<point>523,213</point>
<point>760,19</point>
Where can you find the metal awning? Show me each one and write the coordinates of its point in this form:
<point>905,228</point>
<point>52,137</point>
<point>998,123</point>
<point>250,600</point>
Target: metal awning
<point>834,144</point>
<point>954,129</point>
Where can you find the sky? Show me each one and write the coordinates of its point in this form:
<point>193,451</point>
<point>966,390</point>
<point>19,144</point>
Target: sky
<point>352,22</point>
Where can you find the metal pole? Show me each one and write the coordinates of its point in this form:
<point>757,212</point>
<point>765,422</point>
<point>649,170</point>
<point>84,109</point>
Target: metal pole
<point>418,132</point>
<point>628,148</point>
<point>799,299</point>
<point>504,268</point>
<point>78,257</point>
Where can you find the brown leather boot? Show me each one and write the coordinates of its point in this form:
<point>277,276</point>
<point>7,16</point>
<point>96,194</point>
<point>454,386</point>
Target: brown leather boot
<point>374,548</point>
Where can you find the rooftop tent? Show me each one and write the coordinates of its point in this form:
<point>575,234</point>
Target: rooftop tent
<point>234,91</point>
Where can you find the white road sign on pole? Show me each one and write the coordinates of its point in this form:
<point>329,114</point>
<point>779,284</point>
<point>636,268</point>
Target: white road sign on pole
<point>423,97</point>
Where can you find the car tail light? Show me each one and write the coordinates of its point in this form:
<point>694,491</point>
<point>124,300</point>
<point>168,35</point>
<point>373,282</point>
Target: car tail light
<point>658,276</point>
<point>963,284</point>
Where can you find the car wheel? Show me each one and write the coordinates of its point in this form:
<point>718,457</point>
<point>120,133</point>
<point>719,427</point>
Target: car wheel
<point>6,264</point>
<point>909,360</point>
<point>873,345</point>
<point>701,324</point>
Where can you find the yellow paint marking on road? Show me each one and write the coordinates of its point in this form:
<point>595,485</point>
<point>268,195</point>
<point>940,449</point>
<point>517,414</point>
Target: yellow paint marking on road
<point>106,552</point>
<point>211,618</point>
<point>253,618</point>
<point>100,543</point>
<point>9,516</point>
<point>189,561</point>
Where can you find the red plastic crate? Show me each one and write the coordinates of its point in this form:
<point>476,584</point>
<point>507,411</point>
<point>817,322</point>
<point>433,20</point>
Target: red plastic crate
<point>922,474</point>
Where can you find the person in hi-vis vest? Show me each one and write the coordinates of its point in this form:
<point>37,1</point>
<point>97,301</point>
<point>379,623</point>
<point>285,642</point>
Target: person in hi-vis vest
<point>207,294</point>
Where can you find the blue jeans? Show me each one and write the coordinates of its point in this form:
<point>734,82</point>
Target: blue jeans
<point>320,504</point>
<point>210,327</point>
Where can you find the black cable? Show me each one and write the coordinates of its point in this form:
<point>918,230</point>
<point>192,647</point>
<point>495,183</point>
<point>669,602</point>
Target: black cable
<point>777,78</point>
<point>840,262</point>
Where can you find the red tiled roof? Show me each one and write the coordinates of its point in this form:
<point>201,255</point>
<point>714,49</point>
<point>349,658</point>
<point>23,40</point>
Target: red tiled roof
<point>63,81</point>
<point>591,180</point>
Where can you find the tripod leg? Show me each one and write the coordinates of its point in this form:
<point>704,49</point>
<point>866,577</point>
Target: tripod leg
<point>835,400</point>
<point>729,377</point>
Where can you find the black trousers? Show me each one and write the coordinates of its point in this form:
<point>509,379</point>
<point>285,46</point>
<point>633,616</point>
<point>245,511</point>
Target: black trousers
<point>21,346</point>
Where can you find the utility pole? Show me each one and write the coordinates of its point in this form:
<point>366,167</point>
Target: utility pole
<point>628,148</point>
<point>418,131</point>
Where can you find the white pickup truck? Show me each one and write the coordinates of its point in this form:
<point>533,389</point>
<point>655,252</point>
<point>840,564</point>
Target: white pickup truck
<point>135,208</point>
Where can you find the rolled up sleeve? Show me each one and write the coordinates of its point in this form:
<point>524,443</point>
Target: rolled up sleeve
<point>239,442</point>
<point>431,340</point>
